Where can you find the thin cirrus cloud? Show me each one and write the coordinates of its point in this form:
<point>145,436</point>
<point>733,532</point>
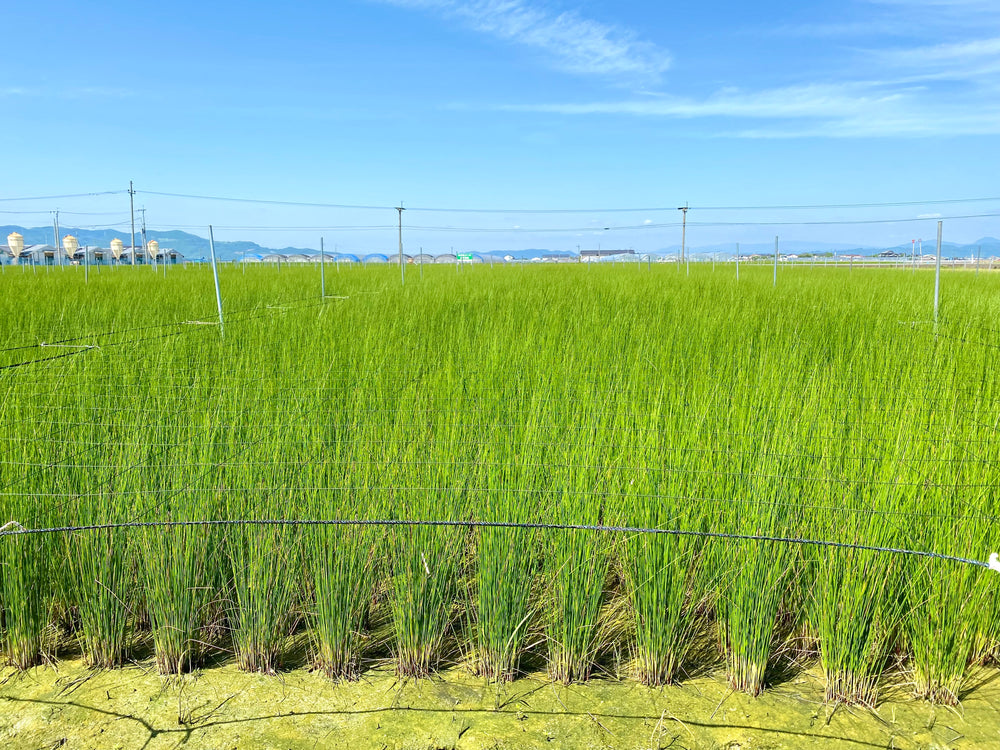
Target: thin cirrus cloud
<point>849,110</point>
<point>962,61</point>
<point>816,100</point>
<point>572,42</point>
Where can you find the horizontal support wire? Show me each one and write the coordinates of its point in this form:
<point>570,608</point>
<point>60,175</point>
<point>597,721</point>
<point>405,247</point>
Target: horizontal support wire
<point>190,489</point>
<point>471,442</point>
<point>13,528</point>
<point>666,470</point>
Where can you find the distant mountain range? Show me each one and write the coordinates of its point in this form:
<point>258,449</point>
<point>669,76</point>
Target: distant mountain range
<point>192,246</point>
<point>985,248</point>
<point>189,245</point>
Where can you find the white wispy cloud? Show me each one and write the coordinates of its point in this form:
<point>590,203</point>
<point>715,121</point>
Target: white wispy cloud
<point>815,100</point>
<point>948,87</point>
<point>966,61</point>
<point>850,110</point>
<point>572,42</point>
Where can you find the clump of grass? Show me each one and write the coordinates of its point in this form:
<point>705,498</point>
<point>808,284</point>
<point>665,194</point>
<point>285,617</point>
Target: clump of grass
<point>856,617</point>
<point>102,585</point>
<point>180,565</point>
<point>663,573</point>
<point>748,610</point>
<point>426,560</point>
<point>756,574</point>
<point>179,587</point>
<point>663,576</point>
<point>343,563</point>
<point>940,631</point>
<point>262,561</point>
<point>576,566</point>
<point>945,599</point>
<point>506,567</point>
<point>26,589</point>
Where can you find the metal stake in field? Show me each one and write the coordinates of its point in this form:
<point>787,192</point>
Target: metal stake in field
<point>322,270</point>
<point>937,274</point>
<point>215,273</point>
<point>775,261</point>
<point>402,267</point>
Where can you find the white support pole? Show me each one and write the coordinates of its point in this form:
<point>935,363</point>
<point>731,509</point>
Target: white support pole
<point>937,275</point>
<point>215,274</point>
<point>322,270</point>
<point>402,266</point>
<point>775,261</point>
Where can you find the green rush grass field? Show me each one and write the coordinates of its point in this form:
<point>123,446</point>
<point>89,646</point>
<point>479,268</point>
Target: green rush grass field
<point>829,408</point>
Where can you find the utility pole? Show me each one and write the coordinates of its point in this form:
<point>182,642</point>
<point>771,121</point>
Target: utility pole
<point>145,246</point>
<point>55,229</point>
<point>684,223</point>
<point>402,267</point>
<point>131,206</point>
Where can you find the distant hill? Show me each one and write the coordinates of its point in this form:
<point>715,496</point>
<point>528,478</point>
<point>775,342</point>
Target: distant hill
<point>192,246</point>
<point>189,245</point>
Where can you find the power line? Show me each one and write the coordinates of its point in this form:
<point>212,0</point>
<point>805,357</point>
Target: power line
<point>619,209</point>
<point>893,204</point>
<point>68,195</point>
<point>635,209</point>
<point>609,228</point>
<point>263,201</point>
<point>68,213</point>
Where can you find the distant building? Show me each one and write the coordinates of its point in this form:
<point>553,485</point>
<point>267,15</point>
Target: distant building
<point>589,254</point>
<point>43,255</point>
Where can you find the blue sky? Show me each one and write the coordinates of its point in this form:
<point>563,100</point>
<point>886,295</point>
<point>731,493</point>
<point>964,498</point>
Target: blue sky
<point>507,104</point>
